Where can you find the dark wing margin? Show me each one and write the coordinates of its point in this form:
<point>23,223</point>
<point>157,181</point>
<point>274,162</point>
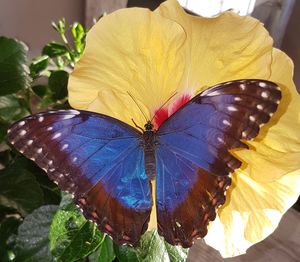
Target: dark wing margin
<point>193,159</point>
<point>96,158</point>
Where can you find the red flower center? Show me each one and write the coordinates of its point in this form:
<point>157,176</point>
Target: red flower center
<point>162,114</point>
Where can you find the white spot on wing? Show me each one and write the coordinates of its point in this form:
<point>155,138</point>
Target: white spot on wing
<point>226,122</point>
<point>237,99</point>
<point>264,94</point>
<point>68,116</point>
<point>39,150</point>
<point>75,112</point>
<point>49,128</point>
<point>22,132</point>
<point>22,123</point>
<point>74,159</point>
<point>178,224</point>
<point>65,146</point>
<point>231,108</point>
<point>214,93</point>
<point>29,142</point>
<point>262,84</point>
<point>50,162</point>
<point>41,119</point>
<point>220,139</point>
<point>242,86</point>
<point>57,135</point>
<point>259,107</point>
<point>252,118</point>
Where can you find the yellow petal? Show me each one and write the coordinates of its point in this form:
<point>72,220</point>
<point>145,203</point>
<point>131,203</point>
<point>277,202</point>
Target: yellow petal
<point>284,135</point>
<point>222,48</point>
<point>129,51</point>
<point>266,164</point>
<point>253,212</point>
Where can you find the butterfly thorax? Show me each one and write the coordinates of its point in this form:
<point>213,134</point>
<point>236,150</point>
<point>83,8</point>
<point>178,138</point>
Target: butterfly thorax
<point>149,143</point>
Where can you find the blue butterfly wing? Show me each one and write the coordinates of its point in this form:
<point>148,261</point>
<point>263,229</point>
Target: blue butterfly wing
<point>96,158</point>
<point>192,158</point>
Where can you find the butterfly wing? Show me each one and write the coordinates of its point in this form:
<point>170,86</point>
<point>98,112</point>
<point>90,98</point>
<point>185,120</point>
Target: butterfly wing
<point>97,159</point>
<point>193,162</point>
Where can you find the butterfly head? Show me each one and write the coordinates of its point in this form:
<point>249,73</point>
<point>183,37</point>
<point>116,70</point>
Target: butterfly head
<point>148,126</point>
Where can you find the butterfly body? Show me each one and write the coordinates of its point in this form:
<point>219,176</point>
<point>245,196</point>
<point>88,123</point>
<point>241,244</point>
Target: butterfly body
<point>149,144</point>
<point>107,165</point>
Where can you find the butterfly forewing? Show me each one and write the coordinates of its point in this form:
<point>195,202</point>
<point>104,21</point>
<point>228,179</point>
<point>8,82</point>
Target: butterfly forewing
<point>193,161</point>
<point>98,160</point>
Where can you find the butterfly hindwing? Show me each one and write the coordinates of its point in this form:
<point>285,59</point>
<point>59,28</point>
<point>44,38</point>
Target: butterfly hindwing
<point>97,159</point>
<point>193,162</point>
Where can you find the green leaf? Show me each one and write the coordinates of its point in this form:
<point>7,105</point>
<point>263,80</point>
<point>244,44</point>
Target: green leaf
<point>5,157</point>
<point>3,130</point>
<point>105,252</point>
<point>32,243</point>
<point>126,254</point>
<point>6,211</point>
<point>50,190</point>
<point>152,248</point>
<point>14,72</point>
<point>58,83</point>
<point>72,237</point>
<point>40,90</point>
<point>60,26</point>
<point>54,49</point>
<point>11,108</point>
<point>38,65</point>
<point>78,36</point>
<point>19,188</point>
<point>8,227</point>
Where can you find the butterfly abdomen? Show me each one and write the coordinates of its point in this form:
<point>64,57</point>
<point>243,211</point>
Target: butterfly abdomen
<point>149,141</point>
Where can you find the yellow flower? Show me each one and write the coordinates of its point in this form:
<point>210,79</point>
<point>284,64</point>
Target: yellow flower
<point>153,55</point>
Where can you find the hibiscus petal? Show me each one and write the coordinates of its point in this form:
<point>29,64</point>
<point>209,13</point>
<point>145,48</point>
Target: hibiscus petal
<point>222,48</point>
<point>132,50</point>
<point>252,213</point>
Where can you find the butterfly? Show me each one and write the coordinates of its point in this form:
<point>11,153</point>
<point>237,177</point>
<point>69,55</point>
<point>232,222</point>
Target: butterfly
<point>107,165</point>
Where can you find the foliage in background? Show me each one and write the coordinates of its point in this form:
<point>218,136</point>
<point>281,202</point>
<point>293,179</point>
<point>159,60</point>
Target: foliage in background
<point>36,223</point>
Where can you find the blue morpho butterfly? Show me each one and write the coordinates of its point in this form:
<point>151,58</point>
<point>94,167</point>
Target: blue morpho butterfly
<point>107,165</point>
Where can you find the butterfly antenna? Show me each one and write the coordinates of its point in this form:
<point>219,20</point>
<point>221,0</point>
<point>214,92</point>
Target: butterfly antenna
<point>138,107</point>
<point>163,105</point>
<point>137,125</point>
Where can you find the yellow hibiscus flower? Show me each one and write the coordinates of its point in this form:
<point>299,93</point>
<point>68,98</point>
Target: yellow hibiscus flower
<point>153,55</point>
